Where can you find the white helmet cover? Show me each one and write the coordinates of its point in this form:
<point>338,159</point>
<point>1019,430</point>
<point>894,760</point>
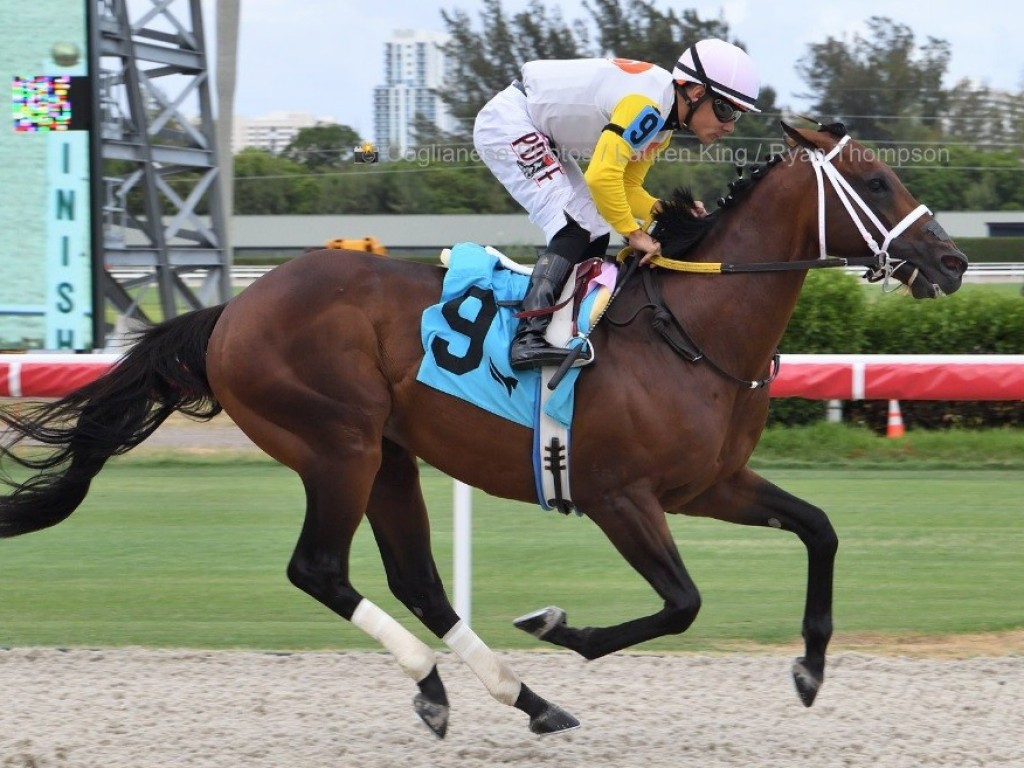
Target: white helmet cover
<point>723,68</point>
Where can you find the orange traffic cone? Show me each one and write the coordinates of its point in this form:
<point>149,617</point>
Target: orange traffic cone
<point>894,427</point>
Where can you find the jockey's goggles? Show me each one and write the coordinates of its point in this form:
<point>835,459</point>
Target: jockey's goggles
<point>725,111</point>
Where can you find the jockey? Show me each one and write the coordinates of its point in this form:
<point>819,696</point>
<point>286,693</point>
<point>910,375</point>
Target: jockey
<point>619,114</point>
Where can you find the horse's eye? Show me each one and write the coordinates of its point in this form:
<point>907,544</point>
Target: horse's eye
<point>877,185</point>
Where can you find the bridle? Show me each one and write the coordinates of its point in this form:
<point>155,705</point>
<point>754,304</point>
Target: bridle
<point>824,169</point>
<point>880,265</point>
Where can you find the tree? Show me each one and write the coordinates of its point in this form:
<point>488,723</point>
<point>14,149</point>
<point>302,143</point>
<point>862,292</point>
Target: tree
<point>963,178</point>
<point>266,184</point>
<point>485,62</point>
<point>323,146</point>
<point>882,85</point>
<point>489,58</point>
<point>639,30</point>
<point>982,117</point>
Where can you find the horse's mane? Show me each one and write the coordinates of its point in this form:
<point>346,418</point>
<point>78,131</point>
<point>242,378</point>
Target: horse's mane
<point>679,230</point>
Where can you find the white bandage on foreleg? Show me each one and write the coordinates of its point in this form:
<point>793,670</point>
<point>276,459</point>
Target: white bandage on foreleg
<point>498,677</point>
<point>412,654</point>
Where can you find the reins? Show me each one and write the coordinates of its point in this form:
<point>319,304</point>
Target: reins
<point>726,268</point>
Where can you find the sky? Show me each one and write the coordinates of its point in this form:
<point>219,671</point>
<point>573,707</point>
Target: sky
<point>325,56</point>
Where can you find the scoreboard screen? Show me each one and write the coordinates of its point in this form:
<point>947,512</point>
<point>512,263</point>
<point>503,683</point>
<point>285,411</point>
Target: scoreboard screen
<point>46,222</point>
<point>44,103</point>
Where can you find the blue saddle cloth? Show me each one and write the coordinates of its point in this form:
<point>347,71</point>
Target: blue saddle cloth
<point>466,338</point>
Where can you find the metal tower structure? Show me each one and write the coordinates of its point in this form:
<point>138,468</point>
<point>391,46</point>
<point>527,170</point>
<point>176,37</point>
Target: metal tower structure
<point>162,206</point>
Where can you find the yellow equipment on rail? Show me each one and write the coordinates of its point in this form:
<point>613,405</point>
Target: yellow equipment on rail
<point>368,244</point>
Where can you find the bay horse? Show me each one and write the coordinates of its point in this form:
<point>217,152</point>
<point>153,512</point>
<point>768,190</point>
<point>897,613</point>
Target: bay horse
<point>316,362</point>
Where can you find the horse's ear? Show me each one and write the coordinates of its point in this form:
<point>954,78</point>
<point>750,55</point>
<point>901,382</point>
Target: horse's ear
<point>837,129</point>
<point>795,137</point>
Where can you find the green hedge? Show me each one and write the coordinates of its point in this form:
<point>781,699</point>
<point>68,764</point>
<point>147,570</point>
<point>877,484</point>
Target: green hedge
<point>835,314</point>
<point>988,249</point>
<point>829,318</point>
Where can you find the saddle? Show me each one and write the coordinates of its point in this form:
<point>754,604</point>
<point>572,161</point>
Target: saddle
<point>582,302</point>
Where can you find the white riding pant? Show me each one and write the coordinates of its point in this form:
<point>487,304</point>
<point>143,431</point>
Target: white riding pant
<point>548,185</point>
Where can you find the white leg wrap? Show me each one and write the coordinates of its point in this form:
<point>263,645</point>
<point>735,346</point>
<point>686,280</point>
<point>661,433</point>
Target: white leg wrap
<point>412,654</point>
<point>497,676</point>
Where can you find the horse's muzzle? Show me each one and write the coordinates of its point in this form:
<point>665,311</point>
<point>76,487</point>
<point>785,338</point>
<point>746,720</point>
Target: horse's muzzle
<point>931,270</point>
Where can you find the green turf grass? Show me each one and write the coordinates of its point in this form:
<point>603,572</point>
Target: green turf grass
<point>181,554</point>
<point>824,445</point>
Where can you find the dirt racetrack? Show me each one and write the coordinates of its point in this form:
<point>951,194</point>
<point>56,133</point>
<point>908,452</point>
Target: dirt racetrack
<point>151,708</point>
<point>913,703</point>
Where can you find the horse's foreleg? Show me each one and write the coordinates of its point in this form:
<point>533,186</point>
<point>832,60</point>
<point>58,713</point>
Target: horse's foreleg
<point>639,531</point>
<point>400,524</point>
<point>748,499</point>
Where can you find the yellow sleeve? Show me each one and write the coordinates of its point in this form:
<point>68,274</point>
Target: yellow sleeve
<point>640,200</point>
<point>620,162</point>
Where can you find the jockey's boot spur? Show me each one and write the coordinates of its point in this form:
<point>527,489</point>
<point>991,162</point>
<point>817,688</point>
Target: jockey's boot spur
<point>529,348</point>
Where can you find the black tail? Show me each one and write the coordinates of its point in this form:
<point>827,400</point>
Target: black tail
<point>164,372</point>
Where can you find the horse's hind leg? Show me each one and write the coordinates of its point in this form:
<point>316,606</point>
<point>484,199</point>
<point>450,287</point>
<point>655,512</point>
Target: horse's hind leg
<point>401,526</point>
<point>318,406</point>
<point>749,499</point>
<point>336,495</point>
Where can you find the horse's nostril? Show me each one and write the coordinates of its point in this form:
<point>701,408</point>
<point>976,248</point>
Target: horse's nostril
<point>954,264</point>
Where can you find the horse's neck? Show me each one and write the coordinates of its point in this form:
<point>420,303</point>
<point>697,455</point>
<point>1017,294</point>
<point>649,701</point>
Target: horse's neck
<point>739,319</point>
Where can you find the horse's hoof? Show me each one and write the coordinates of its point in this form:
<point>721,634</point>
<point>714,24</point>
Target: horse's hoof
<point>553,719</point>
<point>807,683</point>
<point>433,714</point>
<point>540,623</point>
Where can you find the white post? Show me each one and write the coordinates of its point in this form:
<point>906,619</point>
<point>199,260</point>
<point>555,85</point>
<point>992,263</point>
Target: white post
<point>834,411</point>
<point>463,549</point>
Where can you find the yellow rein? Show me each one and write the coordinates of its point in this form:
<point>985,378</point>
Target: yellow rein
<point>707,268</point>
<point>701,267</point>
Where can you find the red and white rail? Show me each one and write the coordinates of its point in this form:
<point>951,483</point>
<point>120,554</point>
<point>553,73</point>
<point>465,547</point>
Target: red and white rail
<point>818,377</point>
<point>50,375</point>
<point>901,377</point>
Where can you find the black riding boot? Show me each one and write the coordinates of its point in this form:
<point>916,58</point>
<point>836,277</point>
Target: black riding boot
<point>529,348</point>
